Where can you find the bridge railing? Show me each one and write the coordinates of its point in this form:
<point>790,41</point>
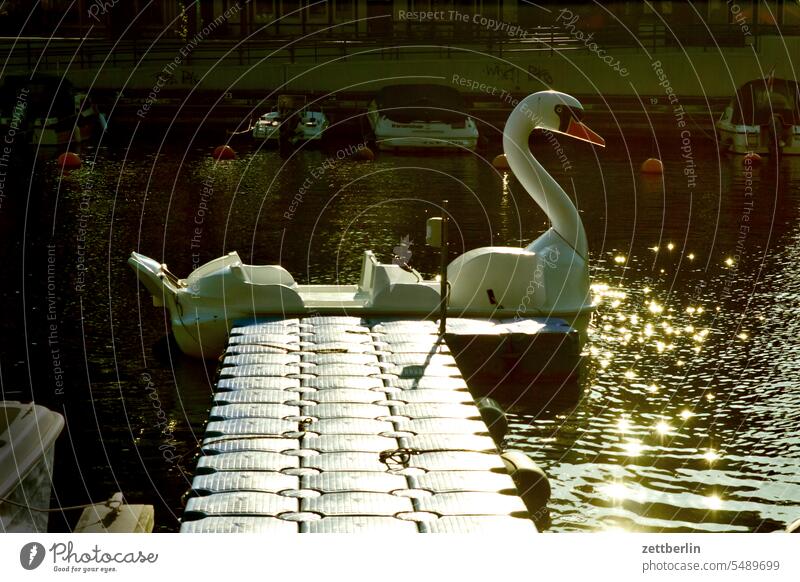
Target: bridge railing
<point>25,54</point>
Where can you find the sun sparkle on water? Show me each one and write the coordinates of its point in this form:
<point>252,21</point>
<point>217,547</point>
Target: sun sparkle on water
<point>623,424</point>
<point>615,491</point>
<point>633,447</point>
<point>659,330</point>
<point>663,428</point>
<point>620,492</point>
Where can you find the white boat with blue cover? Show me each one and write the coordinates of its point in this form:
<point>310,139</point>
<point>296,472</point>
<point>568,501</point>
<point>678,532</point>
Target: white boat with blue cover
<point>763,117</point>
<point>421,117</point>
<point>548,278</point>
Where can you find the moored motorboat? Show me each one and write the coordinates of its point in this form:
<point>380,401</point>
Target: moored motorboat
<point>310,126</point>
<point>421,117</point>
<point>47,110</point>
<point>548,278</point>
<point>266,127</point>
<point>763,117</point>
<point>27,446</point>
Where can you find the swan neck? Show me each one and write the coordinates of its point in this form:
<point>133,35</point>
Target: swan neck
<point>541,186</point>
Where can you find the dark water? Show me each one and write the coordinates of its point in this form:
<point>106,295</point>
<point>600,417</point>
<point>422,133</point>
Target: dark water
<point>690,406</point>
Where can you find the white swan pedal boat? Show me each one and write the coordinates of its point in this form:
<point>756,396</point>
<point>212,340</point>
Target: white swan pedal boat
<point>548,278</point>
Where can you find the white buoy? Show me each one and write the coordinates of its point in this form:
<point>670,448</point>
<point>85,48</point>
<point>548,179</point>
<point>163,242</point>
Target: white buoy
<point>495,418</point>
<point>531,481</point>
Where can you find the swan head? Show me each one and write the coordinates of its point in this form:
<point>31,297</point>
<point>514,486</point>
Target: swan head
<point>556,112</point>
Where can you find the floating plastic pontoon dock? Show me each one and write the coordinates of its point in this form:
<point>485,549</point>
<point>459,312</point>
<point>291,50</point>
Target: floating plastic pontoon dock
<point>337,424</point>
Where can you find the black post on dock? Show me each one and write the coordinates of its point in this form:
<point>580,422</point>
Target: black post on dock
<point>443,273</point>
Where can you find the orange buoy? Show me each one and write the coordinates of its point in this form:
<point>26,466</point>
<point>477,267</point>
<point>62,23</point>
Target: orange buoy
<point>364,154</point>
<point>501,163</point>
<point>652,166</point>
<point>752,158</point>
<point>69,161</point>
<point>224,152</point>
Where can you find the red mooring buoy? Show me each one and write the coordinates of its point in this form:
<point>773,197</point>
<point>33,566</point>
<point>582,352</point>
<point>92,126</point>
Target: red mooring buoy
<point>224,152</point>
<point>752,159</point>
<point>364,154</point>
<point>500,162</point>
<point>652,166</point>
<point>69,161</point>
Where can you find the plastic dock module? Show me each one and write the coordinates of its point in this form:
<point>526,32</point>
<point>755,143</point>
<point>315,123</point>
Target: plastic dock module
<point>344,425</point>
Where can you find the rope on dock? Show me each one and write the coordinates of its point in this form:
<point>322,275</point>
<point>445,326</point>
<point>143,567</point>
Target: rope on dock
<point>397,459</point>
<point>114,504</point>
<point>232,133</point>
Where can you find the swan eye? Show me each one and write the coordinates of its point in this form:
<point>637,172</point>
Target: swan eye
<point>565,111</point>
